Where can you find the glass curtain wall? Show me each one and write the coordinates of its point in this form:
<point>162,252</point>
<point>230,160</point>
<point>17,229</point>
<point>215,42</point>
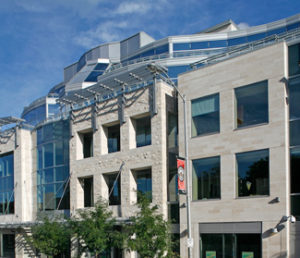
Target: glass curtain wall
<point>7,183</point>
<point>53,166</point>
<point>294,97</point>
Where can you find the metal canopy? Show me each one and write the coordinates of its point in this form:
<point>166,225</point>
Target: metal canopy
<point>10,120</point>
<point>113,84</point>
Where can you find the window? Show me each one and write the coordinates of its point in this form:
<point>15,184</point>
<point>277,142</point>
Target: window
<point>113,138</point>
<point>144,183</point>
<point>253,173</point>
<point>143,131</point>
<point>295,186</point>
<point>206,178</point>
<point>53,166</point>
<point>294,95</point>
<point>88,190</point>
<point>87,144</point>
<point>205,115</point>
<point>294,60</point>
<point>8,245</point>
<point>252,104</point>
<point>7,183</point>
<point>114,188</point>
<point>230,245</point>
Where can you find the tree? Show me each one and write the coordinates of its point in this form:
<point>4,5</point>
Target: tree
<point>51,237</point>
<point>96,230</point>
<point>148,232</point>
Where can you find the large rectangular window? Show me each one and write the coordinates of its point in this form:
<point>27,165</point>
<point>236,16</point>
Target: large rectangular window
<point>230,245</point>
<point>253,173</point>
<point>7,183</point>
<point>205,115</point>
<point>113,138</point>
<point>294,60</point>
<point>114,188</point>
<point>206,178</point>
<point>252,104</point>
<point>144,183</point>
<point>143,131</point>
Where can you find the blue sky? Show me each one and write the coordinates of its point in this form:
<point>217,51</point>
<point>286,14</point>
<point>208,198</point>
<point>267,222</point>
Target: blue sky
<point>38,38</point>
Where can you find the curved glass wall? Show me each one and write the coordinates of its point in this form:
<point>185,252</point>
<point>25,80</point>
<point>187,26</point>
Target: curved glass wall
<point>36,115</point>
<point>233,41</point>
<point>7,184</point>
<point>53,166</point>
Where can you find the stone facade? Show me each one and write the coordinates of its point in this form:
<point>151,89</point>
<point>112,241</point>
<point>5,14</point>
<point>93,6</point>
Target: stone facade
<point>269,64</point>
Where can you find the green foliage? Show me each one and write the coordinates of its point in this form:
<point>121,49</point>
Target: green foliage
<point>50,237</point>
<point>149,233</point>
<point>95,229</point>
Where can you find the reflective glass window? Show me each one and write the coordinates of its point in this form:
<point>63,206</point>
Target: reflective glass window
<point>53,165</point>
<point>295,132</point>
<point>143,131</point>
<point>172,130</point>
<point>217,43</point>
<point>162,49</point>
<point>276,31</point>
<point>113,138</point>
<point>294,97</point>
<point>87,144</point>
<point>144,183</point>
<point>253,173</point>
<point>237,41</point>
<point>48,155</point>
<point>114,188</point>
<point>53,109</point>
<point>294,60</point>
<point>147,53</point>
<point>293,26</point>
<point>35,115</point>
<point>205,115</point>
<point>257,36</point>
<point>199,45</point>
<point>7,183</point>
<point>252,104</point>
<point>181,46</point>
<point>173,71</point>
<point>206,178</point>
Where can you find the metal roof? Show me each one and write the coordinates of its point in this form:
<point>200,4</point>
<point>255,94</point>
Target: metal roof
<point>113,84</point>
<point>10,120</point>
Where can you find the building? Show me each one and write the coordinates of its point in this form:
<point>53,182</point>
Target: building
<point>110,129</point>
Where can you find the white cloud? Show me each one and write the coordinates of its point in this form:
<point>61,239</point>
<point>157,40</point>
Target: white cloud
<point>133,7</point>
<point>243,25</point>
<point>104,32</point>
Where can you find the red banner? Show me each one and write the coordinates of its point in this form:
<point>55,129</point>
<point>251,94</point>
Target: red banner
<point>180,170</point>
